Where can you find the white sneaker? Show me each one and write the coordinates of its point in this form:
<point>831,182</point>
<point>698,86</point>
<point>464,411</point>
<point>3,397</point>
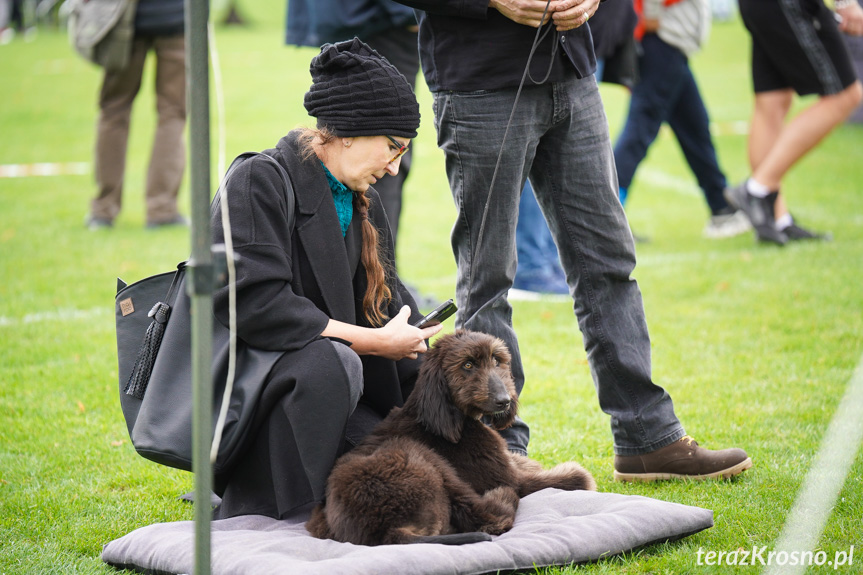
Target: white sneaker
<point>727,225</point>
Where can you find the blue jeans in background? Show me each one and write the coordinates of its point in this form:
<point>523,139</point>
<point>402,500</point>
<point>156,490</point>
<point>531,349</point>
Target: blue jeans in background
<point>559,136</point>
<point>538,263</point>
<point>667,92</point>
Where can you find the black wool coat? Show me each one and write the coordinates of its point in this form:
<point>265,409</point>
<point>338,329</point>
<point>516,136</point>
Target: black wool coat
<point>292,279</point>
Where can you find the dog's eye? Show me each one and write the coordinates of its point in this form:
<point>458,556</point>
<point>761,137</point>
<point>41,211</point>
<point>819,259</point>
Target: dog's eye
<point>468,365</point>
<point>496,362</point>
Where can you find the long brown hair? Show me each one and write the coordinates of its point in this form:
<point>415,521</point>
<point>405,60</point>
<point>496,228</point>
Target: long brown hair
<point>378,293</point>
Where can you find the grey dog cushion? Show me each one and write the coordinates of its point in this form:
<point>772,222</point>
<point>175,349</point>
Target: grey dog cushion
<point>552,527</point>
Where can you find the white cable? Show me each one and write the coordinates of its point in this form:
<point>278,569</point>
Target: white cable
<point>229,250</point>
<point>220,98</point>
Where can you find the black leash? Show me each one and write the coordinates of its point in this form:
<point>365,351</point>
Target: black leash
<point>540,36</point>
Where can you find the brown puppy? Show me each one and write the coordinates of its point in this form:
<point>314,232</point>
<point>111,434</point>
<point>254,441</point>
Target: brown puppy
<point>433,469</point>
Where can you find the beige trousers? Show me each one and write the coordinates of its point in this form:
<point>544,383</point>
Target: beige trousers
<point>168,157</point>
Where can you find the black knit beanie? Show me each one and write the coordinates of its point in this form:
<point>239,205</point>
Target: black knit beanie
<point>357,92</point>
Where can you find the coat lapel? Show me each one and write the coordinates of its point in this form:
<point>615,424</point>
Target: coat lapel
<point>319,232</point>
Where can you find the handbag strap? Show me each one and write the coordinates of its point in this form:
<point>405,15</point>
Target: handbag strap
<point>289,189</point>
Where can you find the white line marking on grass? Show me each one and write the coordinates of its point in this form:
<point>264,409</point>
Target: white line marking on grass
<point>660,179</point>
<point>825,478</point>
<point>44,169</point>
<point>730,128</point>
<point>58,315</point>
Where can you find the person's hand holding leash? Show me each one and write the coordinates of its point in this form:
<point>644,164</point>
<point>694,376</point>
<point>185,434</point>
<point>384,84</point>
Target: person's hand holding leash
<point>570,14</point>
<point>527,12</point>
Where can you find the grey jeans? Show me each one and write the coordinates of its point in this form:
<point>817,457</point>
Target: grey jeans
<point>559,136</point>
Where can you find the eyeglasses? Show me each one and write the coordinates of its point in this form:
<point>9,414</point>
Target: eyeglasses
<point>402,149</point>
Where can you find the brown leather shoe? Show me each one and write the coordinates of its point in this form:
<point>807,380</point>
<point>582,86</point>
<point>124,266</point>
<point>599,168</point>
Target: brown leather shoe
<point>683,459</point>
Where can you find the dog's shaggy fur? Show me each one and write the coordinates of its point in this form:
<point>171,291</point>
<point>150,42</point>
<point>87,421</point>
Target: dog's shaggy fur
<point>433,468</point>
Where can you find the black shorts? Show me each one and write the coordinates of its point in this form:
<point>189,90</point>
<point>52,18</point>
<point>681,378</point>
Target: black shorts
<point>796,44</point>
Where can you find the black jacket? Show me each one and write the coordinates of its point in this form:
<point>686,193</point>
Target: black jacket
<point>320,21</point>
<point>612,26</point>
<point>292,280</point>
<point>466,46</point>
<point>159,17</point>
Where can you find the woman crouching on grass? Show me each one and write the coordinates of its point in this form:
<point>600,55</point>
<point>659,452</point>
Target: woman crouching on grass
<point>321,286</point>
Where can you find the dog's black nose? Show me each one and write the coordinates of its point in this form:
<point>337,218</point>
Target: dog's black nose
<point>502,404</point>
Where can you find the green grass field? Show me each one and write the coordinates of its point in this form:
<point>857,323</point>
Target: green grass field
<point>756,344</point>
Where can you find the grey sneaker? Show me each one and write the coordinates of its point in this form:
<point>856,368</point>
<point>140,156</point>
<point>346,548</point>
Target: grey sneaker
<point>760,212</point>
<point>727,225</point>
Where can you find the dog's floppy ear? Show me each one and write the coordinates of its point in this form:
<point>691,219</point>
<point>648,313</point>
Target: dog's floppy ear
<point>435,410</point>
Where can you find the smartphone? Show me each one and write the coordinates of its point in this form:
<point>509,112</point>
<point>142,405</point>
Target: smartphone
<point>440,313</point>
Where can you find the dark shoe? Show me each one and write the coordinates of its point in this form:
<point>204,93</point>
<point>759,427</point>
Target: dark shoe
<point>177,220</point>
<point>796,233</point>
<point>683,459</point>
<point>93,224</point>
<point>760,212</point>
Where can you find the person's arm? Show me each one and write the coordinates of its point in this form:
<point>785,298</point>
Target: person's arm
<point>527,12</point>
<point>395,340</point>
<point>851,15</point>
<point>270,315</point>
<point>650,17</point>
<point>568,14</point>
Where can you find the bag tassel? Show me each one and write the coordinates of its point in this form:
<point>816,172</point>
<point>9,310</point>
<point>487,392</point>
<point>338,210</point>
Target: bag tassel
<point>140,376</point>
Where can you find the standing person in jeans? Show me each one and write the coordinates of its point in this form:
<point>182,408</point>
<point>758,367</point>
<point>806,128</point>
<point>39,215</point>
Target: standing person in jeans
<point>538,263</point>
<point>159,27</point>
<point>559,137</point>
<point>669,32</point>
<point>796,47</point>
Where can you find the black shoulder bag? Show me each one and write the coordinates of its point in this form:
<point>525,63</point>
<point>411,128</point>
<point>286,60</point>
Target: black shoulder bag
<point>154,353</point>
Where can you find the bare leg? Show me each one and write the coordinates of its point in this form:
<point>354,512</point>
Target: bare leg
<point>770,162</point>
<point>768,119</point>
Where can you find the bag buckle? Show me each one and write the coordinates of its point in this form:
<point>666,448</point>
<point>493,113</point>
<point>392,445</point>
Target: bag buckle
<point>160,312</point>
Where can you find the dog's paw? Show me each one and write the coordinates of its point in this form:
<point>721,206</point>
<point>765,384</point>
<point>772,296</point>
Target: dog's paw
<point>499,525</point>
<point>500,505</point>
<point>317,524</point>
